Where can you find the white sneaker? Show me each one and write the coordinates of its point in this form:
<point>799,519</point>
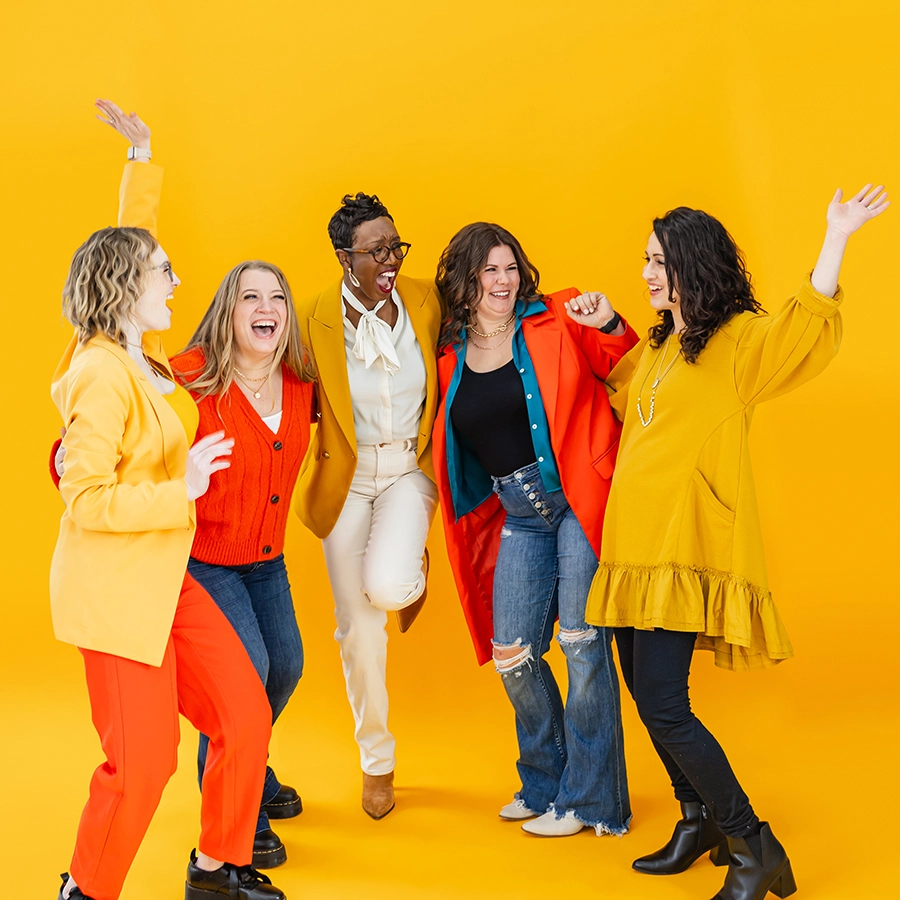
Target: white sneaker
<point>517,810</point>
<point>548,825</point>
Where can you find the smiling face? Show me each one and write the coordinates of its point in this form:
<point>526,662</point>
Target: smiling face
<point>260,315</point>
<point>151,310</point>
<point>499,284</point>
<point>376,280</point>
<point>657,278</point>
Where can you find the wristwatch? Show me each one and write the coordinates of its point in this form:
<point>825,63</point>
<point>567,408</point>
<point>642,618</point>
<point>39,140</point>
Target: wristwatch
<point>139,153</point>
<point>612,324</point>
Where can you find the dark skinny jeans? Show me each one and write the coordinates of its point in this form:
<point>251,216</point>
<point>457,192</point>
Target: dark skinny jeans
<point>656,665</point>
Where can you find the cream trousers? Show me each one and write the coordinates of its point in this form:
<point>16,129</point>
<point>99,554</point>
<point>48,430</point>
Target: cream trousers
<point>374,558</point>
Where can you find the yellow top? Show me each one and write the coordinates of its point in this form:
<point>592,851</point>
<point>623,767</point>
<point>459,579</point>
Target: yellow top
<point>682,548</point>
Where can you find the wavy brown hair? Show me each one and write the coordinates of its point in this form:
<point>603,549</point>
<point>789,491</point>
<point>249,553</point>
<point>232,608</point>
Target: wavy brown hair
<point>108,274</point>
<point>215,336</point>
<point>706,267</point>
<point>458,274</point>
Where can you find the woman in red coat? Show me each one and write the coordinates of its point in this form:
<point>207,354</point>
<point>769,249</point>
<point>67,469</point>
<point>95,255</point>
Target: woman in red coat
<point>524,444</point>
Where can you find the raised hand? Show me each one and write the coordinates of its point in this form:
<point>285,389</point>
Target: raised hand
<point>130,126</point>
<point>204,458</point>
<point>859,209</point>
<point>591,309</point>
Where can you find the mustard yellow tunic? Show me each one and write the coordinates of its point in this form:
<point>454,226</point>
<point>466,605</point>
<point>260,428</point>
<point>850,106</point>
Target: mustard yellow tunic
<point>682,548</point>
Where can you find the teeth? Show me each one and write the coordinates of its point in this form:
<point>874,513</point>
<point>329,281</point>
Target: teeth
<point>264,322</point>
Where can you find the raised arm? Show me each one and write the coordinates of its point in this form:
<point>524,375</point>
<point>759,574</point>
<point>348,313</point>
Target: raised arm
<point>843,219</point>
<point>141,187</point>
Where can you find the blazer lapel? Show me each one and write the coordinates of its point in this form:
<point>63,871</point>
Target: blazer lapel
<point>544,344</point>
<point>326,334</point>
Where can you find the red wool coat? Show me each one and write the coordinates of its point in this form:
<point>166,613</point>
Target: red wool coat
<point>570,362</point>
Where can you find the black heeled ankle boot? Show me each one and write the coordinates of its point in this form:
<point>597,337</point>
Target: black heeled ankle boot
<point>693,836</point>
<point>75,893</point>
<point>750,878</point>
<point>233,882</point>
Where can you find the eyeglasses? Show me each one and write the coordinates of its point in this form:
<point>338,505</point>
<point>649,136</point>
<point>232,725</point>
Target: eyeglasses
<point>383,254</point>
<point>166,269</point>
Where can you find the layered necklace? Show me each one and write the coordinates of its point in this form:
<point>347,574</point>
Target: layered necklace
<point>660,374</point>
<point>250,383</point>
<point>503,329</point>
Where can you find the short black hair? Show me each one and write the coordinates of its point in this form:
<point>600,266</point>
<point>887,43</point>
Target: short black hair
<point>353,212</point>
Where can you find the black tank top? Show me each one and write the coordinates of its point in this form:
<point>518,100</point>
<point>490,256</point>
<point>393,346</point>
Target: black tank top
<point>489,411</point>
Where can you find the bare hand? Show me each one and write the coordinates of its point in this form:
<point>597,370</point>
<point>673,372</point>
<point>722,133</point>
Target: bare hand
<point>852,215</point>
<point>130,126</point>
<point>59,458</point>
<point>204,458</point>
<point>592,310</point>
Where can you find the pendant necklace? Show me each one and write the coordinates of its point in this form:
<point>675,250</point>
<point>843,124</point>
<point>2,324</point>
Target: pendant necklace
<point>255,391</point>
<point>656,382</point>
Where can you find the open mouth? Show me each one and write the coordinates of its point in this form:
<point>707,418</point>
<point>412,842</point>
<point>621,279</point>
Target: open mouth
<point>385,280</point>
<point>655,289</point>
<point>264,328</point>
<point>500,295</point>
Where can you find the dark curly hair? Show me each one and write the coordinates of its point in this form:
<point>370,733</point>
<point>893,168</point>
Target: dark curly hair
<point>353,212</point>
<point>705,266</point>
<point>459,269</point>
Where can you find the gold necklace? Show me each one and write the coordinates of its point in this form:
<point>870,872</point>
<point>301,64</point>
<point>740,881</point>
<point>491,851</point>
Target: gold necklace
<point>245,378</point>
<point>503,327</point>
<point>495,347</point>
<point>256,392</point>
<point>656,382</point>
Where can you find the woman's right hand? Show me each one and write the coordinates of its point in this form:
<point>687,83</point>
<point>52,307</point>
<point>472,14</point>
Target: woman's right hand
<point>130,126</point>
<point>204,458</point>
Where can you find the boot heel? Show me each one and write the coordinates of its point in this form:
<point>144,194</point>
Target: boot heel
<point>718,856</point>
<point>784,885</point>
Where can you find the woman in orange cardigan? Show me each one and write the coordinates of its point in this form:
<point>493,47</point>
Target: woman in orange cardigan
<point>524,446</point>
<point>154,643</point>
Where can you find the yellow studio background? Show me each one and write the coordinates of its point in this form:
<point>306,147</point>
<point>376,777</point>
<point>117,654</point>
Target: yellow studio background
<point>572,124</point>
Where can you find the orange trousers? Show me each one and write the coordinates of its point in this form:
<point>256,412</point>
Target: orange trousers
<point>208,677</point>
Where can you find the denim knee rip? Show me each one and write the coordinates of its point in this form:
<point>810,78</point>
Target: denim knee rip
<point>513,664</point>
<point>575,640</point>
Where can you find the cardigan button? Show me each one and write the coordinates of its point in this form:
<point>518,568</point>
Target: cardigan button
<point>267,549</point>
<point>275,498</point>
<point>277,445</point>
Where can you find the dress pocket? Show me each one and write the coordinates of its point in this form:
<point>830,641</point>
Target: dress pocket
<point>708,495</point>
<point>706,533</point>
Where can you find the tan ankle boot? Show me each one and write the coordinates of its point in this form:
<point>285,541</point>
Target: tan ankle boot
<point>378,794</point>
<point>407,615</point>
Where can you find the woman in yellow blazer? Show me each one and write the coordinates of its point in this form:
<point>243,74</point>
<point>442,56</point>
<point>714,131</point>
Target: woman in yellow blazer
<point>367,484</point>
<point>154,644</point>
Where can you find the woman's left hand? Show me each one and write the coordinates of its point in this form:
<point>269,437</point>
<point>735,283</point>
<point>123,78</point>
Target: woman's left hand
<point>852,215</point>
<point>591,309</point>
<point>130,126</point>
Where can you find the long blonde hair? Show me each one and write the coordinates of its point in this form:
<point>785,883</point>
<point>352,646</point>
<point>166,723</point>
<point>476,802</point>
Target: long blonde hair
<point>108,274</point>
<point>215,336</point>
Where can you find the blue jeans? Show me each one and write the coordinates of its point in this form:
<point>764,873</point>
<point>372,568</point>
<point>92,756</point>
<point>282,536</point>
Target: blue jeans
<point>256,599</point>
<point>572,758</point>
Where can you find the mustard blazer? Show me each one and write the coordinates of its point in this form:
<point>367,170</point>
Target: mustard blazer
<point>331,459</point>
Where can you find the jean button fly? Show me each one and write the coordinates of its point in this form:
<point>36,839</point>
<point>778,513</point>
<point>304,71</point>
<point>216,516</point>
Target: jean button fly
<point>526,487</point>
<point>538,505</point>
<point>532,495</point>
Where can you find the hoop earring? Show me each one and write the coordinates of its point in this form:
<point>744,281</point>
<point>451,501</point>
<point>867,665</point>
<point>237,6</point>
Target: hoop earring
<point>353,279</point>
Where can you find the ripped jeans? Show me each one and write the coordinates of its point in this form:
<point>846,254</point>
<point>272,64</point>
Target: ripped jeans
<point>572,758</point>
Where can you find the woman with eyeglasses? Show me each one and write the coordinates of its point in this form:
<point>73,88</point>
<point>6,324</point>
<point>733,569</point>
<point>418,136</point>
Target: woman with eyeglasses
<point>154,643</point>
<point>247,370</point>
<point>367,484</point>
<point>682,564</point>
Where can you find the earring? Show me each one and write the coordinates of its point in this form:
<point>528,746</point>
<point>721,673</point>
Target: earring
<point>353,279</point>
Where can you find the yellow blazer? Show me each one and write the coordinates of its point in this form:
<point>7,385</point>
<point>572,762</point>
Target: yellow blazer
<point>331,459</point>
<point>126,533</point>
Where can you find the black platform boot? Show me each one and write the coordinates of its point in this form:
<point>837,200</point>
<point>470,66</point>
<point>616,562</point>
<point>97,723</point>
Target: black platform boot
<point>693,836</point>
<point>233,882</point>
<point>751,878</point>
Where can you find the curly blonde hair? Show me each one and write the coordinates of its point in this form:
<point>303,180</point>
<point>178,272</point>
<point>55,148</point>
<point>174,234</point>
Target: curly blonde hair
<point>215,336</point>
<point>108,274</point>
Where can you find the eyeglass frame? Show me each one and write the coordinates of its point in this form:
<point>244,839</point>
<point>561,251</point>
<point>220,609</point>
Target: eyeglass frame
<point>168,272</point>
<point>391,251</point>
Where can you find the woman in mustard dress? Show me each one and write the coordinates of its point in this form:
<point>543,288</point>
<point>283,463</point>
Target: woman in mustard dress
<point>682,561</point>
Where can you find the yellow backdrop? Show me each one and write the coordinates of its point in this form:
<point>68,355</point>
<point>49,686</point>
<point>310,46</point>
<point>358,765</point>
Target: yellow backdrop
<point>572,124</point>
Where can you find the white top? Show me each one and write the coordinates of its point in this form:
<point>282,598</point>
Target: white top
<point>273,421</point>
<point>387,405</point>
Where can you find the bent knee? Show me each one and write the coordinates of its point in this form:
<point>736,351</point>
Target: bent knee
<point>510,658</point>
<point>575,640</point>
<point>390,594</point>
